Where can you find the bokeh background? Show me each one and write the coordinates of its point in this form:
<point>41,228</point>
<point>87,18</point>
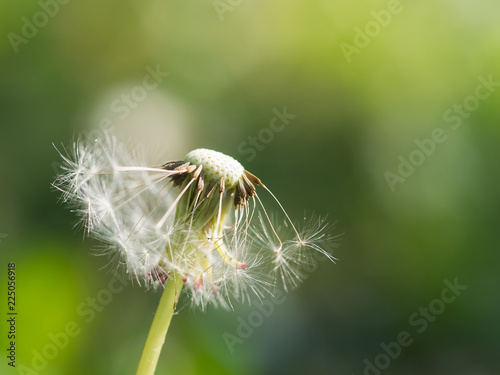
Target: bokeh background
<point>230,64</point>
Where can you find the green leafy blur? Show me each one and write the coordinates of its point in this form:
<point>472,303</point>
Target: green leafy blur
<point>382,115</point>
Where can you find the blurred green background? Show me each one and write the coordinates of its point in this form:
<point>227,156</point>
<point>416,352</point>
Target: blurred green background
<point>366,81</point>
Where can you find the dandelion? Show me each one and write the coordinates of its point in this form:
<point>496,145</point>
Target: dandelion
<point>196,225</point>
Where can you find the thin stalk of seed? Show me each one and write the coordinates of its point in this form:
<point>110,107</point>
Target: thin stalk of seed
<point>159,328</point>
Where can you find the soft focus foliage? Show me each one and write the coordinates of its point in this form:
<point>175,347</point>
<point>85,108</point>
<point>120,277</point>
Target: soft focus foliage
<point>88,68</point>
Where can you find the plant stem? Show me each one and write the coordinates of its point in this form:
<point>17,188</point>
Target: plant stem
<point>159,328</point>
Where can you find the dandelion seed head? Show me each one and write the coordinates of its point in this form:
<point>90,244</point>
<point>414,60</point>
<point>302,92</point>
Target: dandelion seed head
<point>216,165</point>
<point>194,218</point>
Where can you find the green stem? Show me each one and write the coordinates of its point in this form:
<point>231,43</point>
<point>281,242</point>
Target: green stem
<point>159,328</point>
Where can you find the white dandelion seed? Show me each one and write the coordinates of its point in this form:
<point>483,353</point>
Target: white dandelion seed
<point>200,218</point>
